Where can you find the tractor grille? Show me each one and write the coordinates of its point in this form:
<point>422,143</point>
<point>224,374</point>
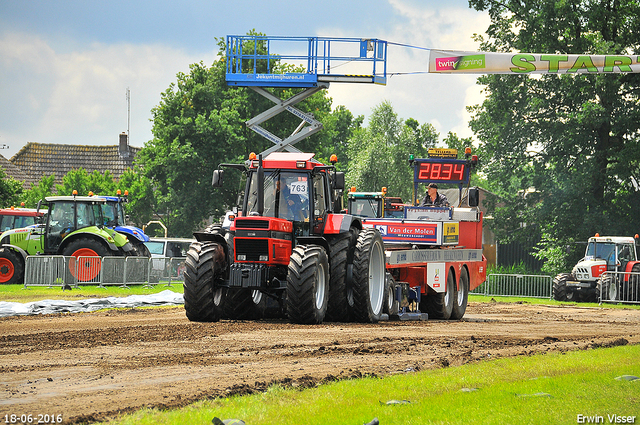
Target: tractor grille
<point>251,224</point>
<point>252,248</point>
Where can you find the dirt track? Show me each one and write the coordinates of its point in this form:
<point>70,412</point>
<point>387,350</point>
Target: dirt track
<point>93,366</point>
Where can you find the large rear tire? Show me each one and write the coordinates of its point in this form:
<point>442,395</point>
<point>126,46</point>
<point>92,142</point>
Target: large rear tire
<point>439,305</point>
<point>87,269</point>
<point>369,277</point>
<point>461,296</point>
<point>202,299</point>
<point>308,285</point>
<point>340,291</point>
<point>11,267</point>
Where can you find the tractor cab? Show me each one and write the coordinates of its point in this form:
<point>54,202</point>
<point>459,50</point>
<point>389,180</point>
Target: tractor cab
<point>67,214</point>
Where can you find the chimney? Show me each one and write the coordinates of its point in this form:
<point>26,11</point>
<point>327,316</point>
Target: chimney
<point>123,147</point>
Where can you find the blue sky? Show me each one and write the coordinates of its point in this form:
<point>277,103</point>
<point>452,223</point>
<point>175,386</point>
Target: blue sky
<point>65,65</point>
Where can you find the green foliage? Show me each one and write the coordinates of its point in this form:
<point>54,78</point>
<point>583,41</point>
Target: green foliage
<point>531,390</point>
<point>11,193</point>
<point>200,123</point>
<point>39,192</point>
<point>561,151</point>
<point>379,153</point>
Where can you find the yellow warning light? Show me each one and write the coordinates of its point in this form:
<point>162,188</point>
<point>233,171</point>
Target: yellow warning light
<point>597,235</point>
<point>252,156</point>
<point>22,205</point>
<point>333,159</point>
<point>75,192</point>
<point>353,189</point>
<point>467,151</point>
<point>384,190</point>
<point>118,192</point>
<point>126,193</point>
<point>90,193</point>
<point>12,207</point>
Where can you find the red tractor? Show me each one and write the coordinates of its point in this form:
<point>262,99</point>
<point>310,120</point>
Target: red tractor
<point>289,251</point>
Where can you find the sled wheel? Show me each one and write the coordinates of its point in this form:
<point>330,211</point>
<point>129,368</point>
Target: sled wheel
<point>461,296</point>
<point>439,305</point>
<point>391,305</point>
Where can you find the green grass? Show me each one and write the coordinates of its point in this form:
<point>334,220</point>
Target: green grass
<point>17,293</point>
<point>542,389</point>
<point>545,301</point>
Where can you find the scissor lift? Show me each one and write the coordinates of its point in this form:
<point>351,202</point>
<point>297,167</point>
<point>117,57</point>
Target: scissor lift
<point>250,60</point>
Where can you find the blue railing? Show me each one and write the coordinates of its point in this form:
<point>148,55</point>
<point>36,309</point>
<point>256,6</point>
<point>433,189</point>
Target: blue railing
<point>251,61</point>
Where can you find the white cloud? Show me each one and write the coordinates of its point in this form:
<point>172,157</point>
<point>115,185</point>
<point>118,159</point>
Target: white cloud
<point>430,98</point>
<point>79,97</point>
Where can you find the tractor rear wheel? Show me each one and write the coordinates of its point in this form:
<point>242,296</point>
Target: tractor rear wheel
<point>340,291</point>
<point>11,267</point>
<point>369,277</point>
<point>202,299</point>
<point>560,291</point>
<point>308,285</point>
<point>439,305</point>
<point>607,289</point>
<point>88,268</point>
<point>461,296</point>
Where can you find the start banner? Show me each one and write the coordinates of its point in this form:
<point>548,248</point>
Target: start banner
<point>451,61</point>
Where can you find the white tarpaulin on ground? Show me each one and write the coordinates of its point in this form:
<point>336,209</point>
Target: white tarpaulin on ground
<point>166,297</point>
<point>452,61</point>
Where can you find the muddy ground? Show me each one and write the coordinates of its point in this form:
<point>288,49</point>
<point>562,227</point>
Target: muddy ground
<point>94,366</point>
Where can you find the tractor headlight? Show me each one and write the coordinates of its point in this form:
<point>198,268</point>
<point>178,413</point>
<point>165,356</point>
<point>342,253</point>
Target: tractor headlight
<point>242,257</point>
<point>263,258</point>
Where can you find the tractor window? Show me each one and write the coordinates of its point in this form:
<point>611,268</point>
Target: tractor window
<point>7,223</point>
<point>319,195</point>
<point>364,207</point>
<point>286,195</point>
<point>87,215</point>
<point>604,251</point>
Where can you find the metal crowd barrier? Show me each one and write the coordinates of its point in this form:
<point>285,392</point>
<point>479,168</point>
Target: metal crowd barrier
<point>57,270</point>
<point>516,285</point>
<point>623,287</point>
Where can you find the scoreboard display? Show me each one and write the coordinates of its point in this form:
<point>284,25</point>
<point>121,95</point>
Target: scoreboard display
<point>441,170</point>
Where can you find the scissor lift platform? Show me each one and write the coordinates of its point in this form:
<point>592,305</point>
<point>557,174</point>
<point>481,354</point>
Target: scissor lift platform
<point>251,59</point>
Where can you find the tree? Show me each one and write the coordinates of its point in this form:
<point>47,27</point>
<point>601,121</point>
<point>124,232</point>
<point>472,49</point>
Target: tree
<point>39,192</point>
<point>568,142</point>
<point>200,123</point>
<point>10,190</point>
<point>379,152</point>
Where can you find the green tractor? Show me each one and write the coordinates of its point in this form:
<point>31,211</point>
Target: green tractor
<point>74,228</point>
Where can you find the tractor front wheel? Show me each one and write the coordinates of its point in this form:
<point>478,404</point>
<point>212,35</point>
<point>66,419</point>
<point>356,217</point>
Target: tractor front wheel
<point>308,285</point>
<point>204,264</point>
<point>607,289</point>
<point>11,267</point>
<point>560,291</point>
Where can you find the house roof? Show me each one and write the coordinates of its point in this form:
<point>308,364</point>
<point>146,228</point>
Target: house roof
<point>12,171</point>
<point>44,159</point>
